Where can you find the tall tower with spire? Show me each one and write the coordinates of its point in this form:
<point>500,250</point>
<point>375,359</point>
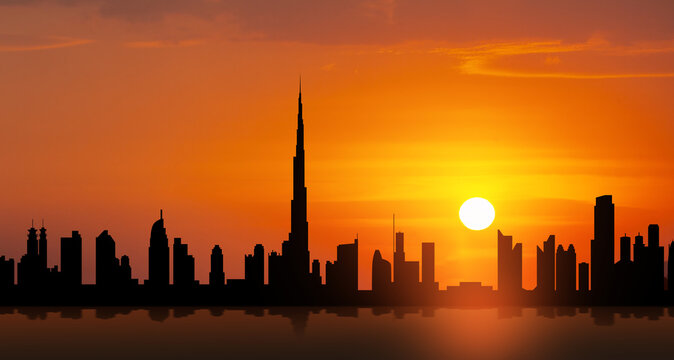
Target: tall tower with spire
<point>296,249</point>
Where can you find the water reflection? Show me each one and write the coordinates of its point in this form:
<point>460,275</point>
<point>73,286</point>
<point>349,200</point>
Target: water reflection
<point>335,332</point>
<point>299,316</point>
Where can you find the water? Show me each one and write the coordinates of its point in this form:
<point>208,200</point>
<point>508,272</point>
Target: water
<point>336,333</point>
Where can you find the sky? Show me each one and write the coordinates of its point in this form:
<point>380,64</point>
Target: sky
<point>114,109</point>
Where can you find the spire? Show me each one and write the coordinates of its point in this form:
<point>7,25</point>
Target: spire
<point>161,214</point>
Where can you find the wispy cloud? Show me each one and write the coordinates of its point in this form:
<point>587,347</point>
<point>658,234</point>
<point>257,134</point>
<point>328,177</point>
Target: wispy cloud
<point>53,42</point>
<point>480,59</point>
<point>158,44</point>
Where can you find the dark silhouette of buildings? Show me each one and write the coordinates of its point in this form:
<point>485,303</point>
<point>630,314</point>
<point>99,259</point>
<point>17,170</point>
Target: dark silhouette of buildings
<point>428,266</point>
<point>217,275</point>
<point>158,262</point>
<point>509,264</point>
<point>30,273</point>
<point>670,267</point>
<point>566,270</point>
<point>656,261</point>
<point>183,265</point>
<point>545,266</point>
<point>405,273</point>
<point>341,276</point>
<point>294,280</point>
<point>71,259</point>
<point>6,272</point>
<point>381,273</point>
<point>602,247</point>
<point>254,266</point>
<point>584,277</point>
<point>110,271</point>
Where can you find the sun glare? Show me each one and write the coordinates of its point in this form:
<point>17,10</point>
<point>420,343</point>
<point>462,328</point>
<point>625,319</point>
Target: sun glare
<point>477,213</point>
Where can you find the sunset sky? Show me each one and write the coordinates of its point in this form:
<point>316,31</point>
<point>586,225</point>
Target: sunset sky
<point>114,109</point>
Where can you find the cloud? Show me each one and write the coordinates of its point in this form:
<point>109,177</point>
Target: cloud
<point>396,21</point>
<point>158,44</point>
<point>15,43</point>
<point>480,59</point>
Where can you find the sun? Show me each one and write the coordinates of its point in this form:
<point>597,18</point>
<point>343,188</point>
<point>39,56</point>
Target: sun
<point>477,213</point>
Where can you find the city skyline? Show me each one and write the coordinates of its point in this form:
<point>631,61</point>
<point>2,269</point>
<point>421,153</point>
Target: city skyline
<point>558,271</point>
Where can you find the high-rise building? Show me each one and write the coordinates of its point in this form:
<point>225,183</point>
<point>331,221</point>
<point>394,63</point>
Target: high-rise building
<point>316,272</point>
<point>428,266</point>
<point>217,275</point>
<point>670,268</point>
<point>545,266</point>
<point>110,271</point>
<point>6,272</point>
<point>254,266</point>
<point>583,277</point>
<point>342,275</point>
<point>42,248</point>
<point>183,264</point>
<point>509,264</point>
<point>405,273</point>
<point>381,273</point>
<point>158,263</point>
<point>71,259</point>
<point>602,247</point>
<point>625,252</point>
<point>291,268</point>
<point>107,264</point>
<point>656,261</point>
<point>566,270</point>
<point>29,269</point>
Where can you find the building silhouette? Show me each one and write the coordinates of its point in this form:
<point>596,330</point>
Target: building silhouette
<point>428,266</point>
<point>655,268</point>
<point>216,276</point>
<point>602,247</point>
<point>30,273</point>
<point>71,259</point>
<point>509,264</point>
<point>342,275</point>
<point>381,273</point>
<point>670,267</point>
<point>405,273</point>
<point>545,266</point>
<point>566,270</point>
<point>6,272</point>
<point>183,265</point>
<point>158,262</point>
<point>110,271</point>
<point>254,267</point>
<point>584,277</point>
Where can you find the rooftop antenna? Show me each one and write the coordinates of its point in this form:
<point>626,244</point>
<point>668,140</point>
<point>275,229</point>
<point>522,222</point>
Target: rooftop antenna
<point>32,223</point>
<point>42,222</point>
<point>161,214</point>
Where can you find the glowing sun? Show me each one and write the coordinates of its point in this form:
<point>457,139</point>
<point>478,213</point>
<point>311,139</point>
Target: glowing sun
<point>477,213</point>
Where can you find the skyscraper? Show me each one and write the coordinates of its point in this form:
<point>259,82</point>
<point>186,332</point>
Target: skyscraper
<point>583,277</point>
<point>381,273</point>
<point>294,260</point>
<point>566,270</point>
<point>254,266</point>
<point>545,266</point>
<point>28,268</point>
<point>509,264</point>
<point>107,263</point>
<point>428,266</point>
<point>158,263</point>
<point>656,261</point>
<point>342,275</point>
<point>71,259</point>
<point>602,247</point>
<point>6,272</point>
<point>183,264</point>
<point>42,248</point>
<point>217,275</point>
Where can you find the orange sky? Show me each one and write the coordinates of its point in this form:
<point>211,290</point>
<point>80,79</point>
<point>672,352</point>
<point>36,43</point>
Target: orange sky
<point>111,110</point>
